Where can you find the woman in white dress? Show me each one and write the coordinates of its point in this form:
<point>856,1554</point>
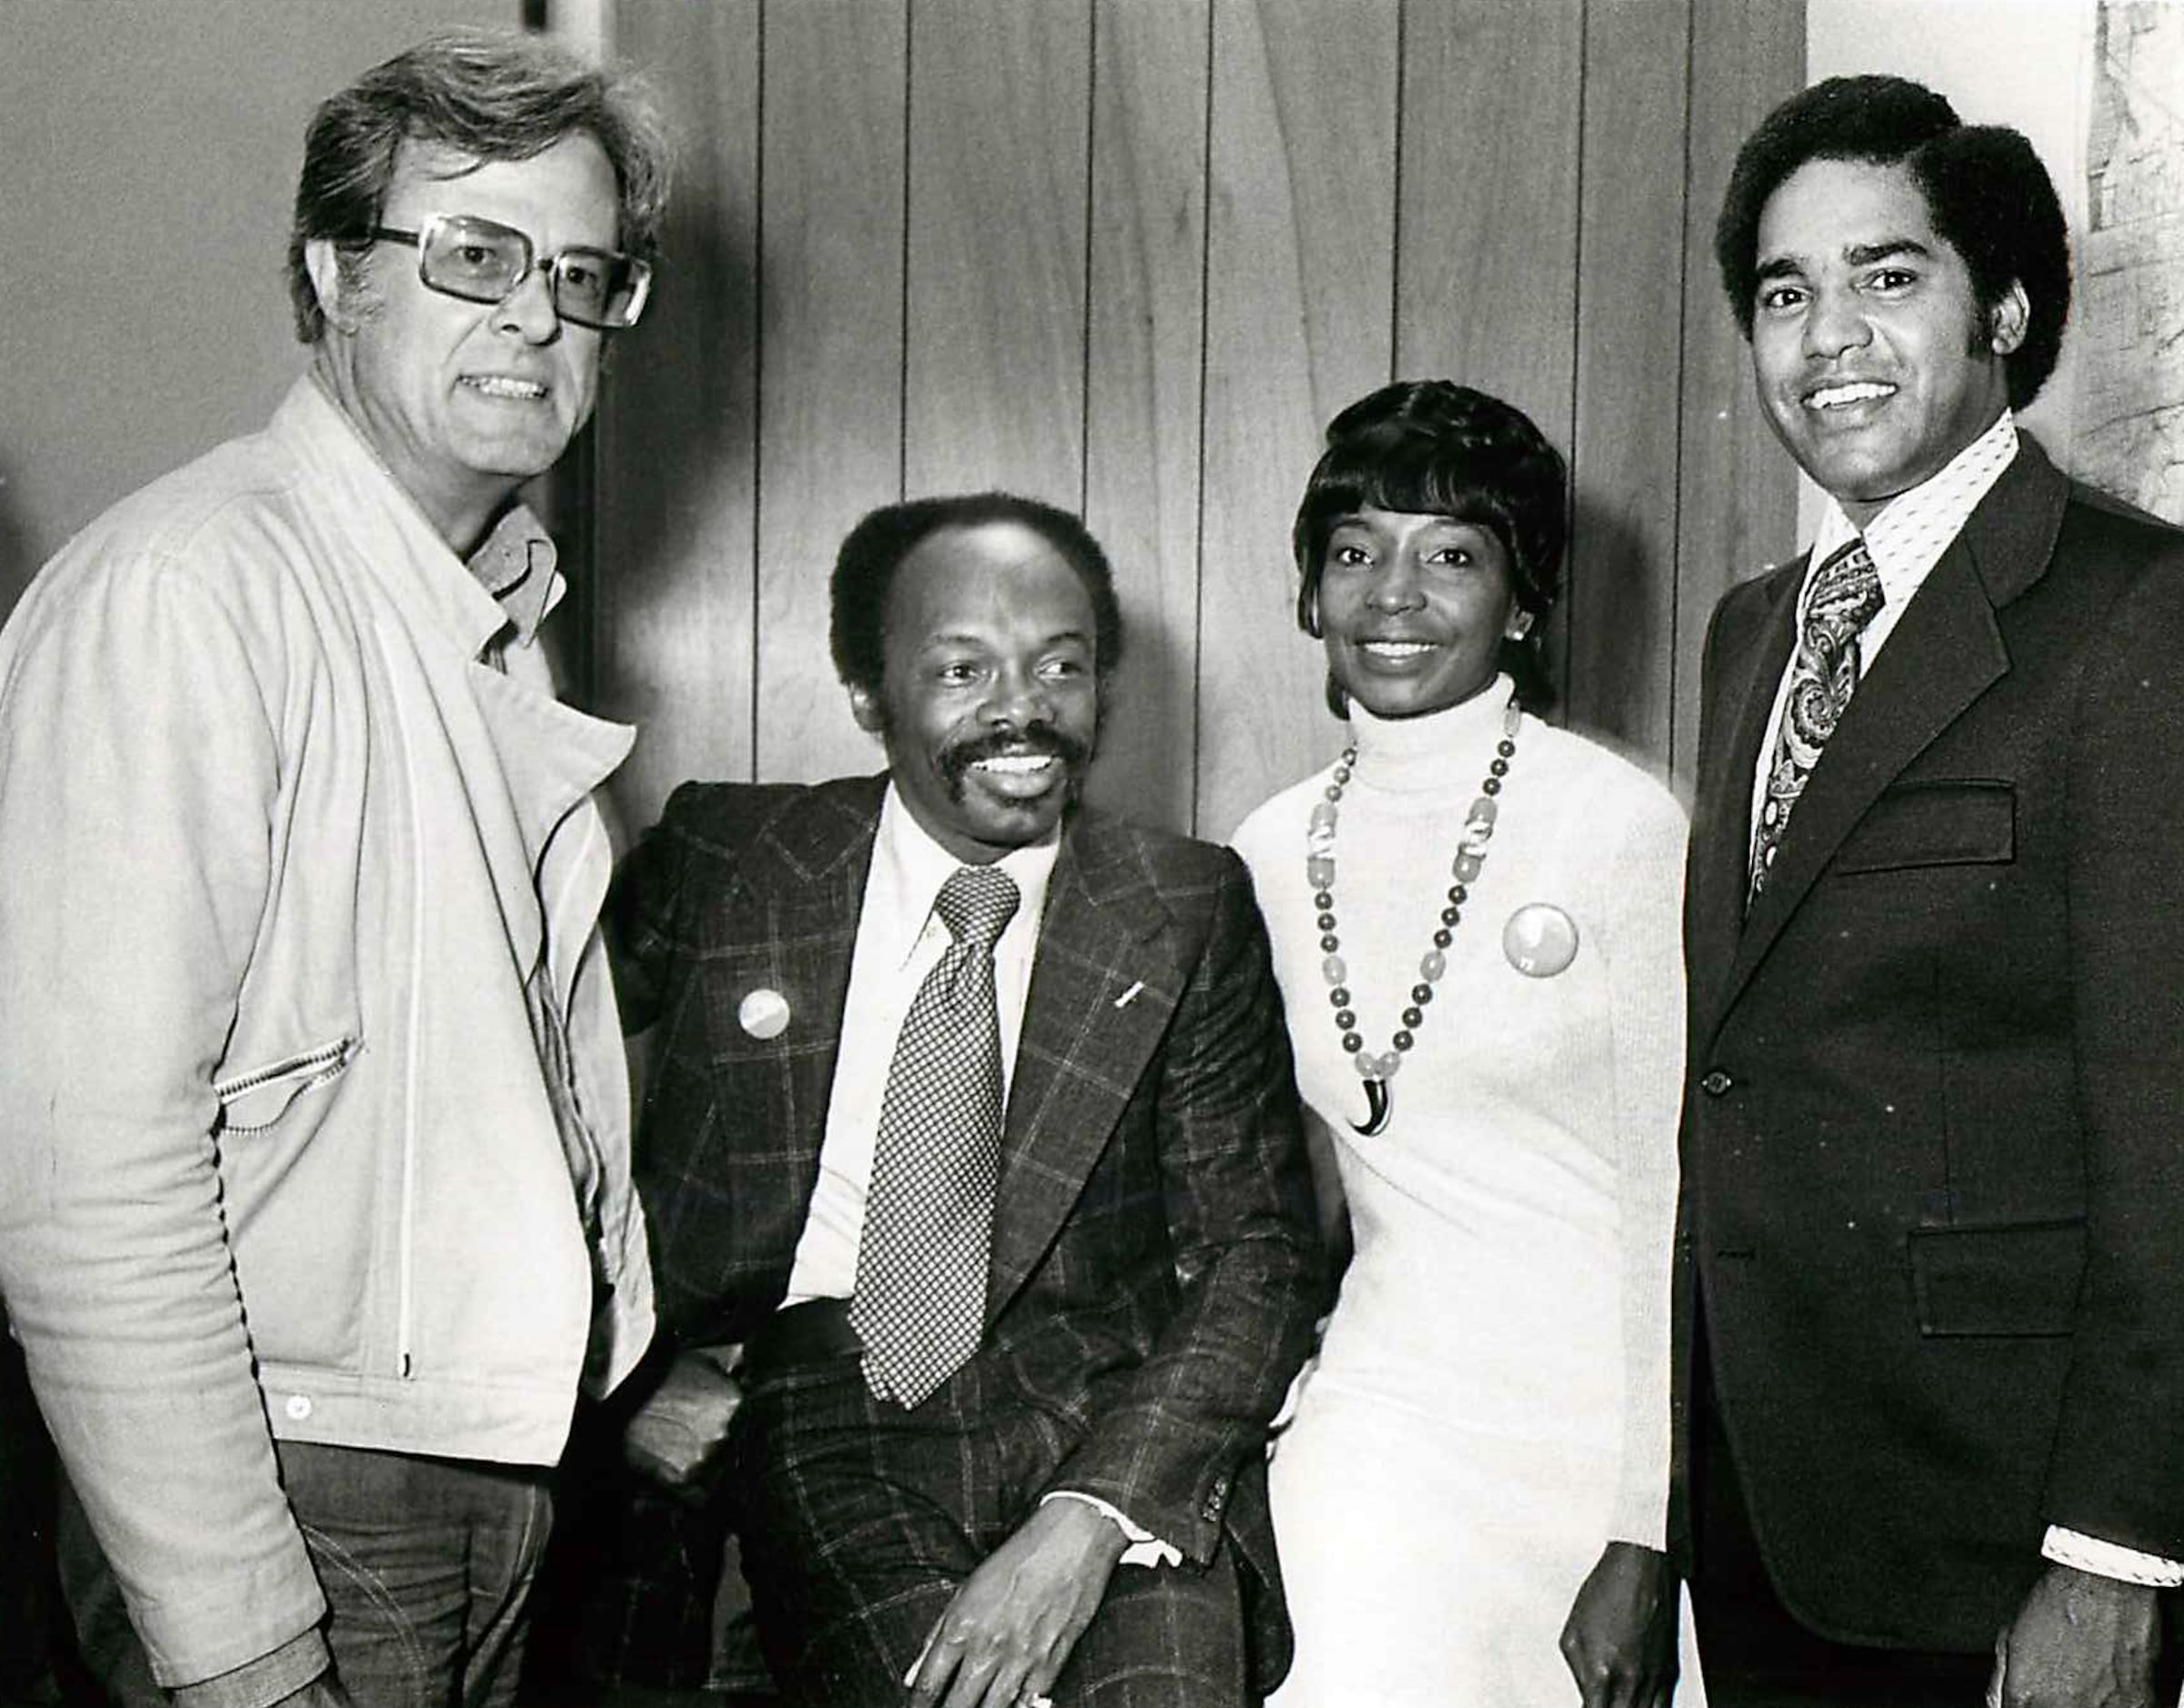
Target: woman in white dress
<point>1475,919</point>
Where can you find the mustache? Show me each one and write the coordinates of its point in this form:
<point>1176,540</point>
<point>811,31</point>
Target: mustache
<point>1033,738</point>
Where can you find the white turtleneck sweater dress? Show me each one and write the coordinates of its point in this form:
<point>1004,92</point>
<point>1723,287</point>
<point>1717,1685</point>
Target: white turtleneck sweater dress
<point>1490,1403</point>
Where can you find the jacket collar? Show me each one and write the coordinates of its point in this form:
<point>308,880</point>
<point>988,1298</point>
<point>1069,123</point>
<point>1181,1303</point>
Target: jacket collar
<point>518,564</point>
<point>511,579</point>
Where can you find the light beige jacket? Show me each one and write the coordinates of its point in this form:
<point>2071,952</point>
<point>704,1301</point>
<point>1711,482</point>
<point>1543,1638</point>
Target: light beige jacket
<point>301,877</point>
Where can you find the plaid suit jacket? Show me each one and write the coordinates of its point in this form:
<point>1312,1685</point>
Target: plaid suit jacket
<point>1155,1272</point>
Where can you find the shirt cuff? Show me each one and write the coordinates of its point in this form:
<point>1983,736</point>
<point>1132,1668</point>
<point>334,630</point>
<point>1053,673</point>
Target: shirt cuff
<point>1144,1550</point>
<point>2110,1560</point>
<point>261,1683</point>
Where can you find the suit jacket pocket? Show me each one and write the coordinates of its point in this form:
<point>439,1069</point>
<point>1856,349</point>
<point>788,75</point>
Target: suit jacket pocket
<point>2019,1279</point>
<point>1950,822</point>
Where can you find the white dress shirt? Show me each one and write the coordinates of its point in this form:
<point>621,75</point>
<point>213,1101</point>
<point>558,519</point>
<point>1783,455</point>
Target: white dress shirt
<point>1905,539</point>
<point>899,940</point>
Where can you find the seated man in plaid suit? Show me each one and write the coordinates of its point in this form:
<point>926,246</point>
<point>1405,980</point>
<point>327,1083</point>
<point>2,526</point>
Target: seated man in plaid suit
<point>973,1125</point>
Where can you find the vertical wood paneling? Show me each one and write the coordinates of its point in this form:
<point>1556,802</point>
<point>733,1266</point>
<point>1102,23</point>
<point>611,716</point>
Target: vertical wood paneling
<point>1620,600</point>
<point>831,438</point>
<point>1144,339</point>
<point>1130,256</point>
<point>1737,503</point>
<point>1487,276</point>
<point>673,637</point>
<point>999,120</point>
<point>1299,321</point>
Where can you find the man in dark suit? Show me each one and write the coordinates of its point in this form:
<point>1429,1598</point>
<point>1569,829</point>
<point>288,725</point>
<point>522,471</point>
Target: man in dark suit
<point>1930,1335</point>
<point>1143,1273</point>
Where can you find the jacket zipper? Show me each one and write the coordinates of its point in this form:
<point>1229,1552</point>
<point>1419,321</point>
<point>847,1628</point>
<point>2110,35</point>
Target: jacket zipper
<point>405,1233</point>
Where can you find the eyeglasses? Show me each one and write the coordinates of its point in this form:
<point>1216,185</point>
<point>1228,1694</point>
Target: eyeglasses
<point>483,261</point>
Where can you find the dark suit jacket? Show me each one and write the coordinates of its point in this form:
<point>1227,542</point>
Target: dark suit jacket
<point>1933,1147</point>
<point>1154,1271</point>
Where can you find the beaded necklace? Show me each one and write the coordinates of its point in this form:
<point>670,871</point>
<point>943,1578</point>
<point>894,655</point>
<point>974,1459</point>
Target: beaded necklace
<point>1377,1070</point>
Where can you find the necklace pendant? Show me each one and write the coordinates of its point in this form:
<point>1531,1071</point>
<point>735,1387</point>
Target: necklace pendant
<point>1377,1070</point>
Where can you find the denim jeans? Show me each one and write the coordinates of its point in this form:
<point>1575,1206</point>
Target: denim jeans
<point>427,1565</point>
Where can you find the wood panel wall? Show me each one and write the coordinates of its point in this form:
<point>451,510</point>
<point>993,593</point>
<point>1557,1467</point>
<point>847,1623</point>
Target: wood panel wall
<point>1128,256</point>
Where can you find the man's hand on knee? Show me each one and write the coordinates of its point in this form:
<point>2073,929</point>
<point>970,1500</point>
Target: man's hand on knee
<point>1007,1634</point>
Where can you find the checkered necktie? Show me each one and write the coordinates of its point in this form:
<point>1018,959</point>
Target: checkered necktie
<point>1846,597</point>
<point>920,1301</point>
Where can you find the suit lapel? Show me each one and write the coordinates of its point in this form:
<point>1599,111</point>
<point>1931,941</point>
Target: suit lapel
<point>807,873</point>
<point>1103,988</point>
<point>1945,651</point>
<point>1750,665</point>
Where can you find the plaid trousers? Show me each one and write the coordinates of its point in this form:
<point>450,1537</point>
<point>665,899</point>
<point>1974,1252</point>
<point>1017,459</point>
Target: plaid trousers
<point>860,1519</point>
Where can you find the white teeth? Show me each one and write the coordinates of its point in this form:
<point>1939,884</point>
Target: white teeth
<point>497,386</point>
<point>1837,397</point>
<point>1397,649</point>
<point>1017,764</point>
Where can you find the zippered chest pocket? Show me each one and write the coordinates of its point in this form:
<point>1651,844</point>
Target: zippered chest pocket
<point>256,1099</point>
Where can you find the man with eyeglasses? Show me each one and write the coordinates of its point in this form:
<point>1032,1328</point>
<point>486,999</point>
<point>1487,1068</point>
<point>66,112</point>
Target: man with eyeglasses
<point>314,1201</point>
